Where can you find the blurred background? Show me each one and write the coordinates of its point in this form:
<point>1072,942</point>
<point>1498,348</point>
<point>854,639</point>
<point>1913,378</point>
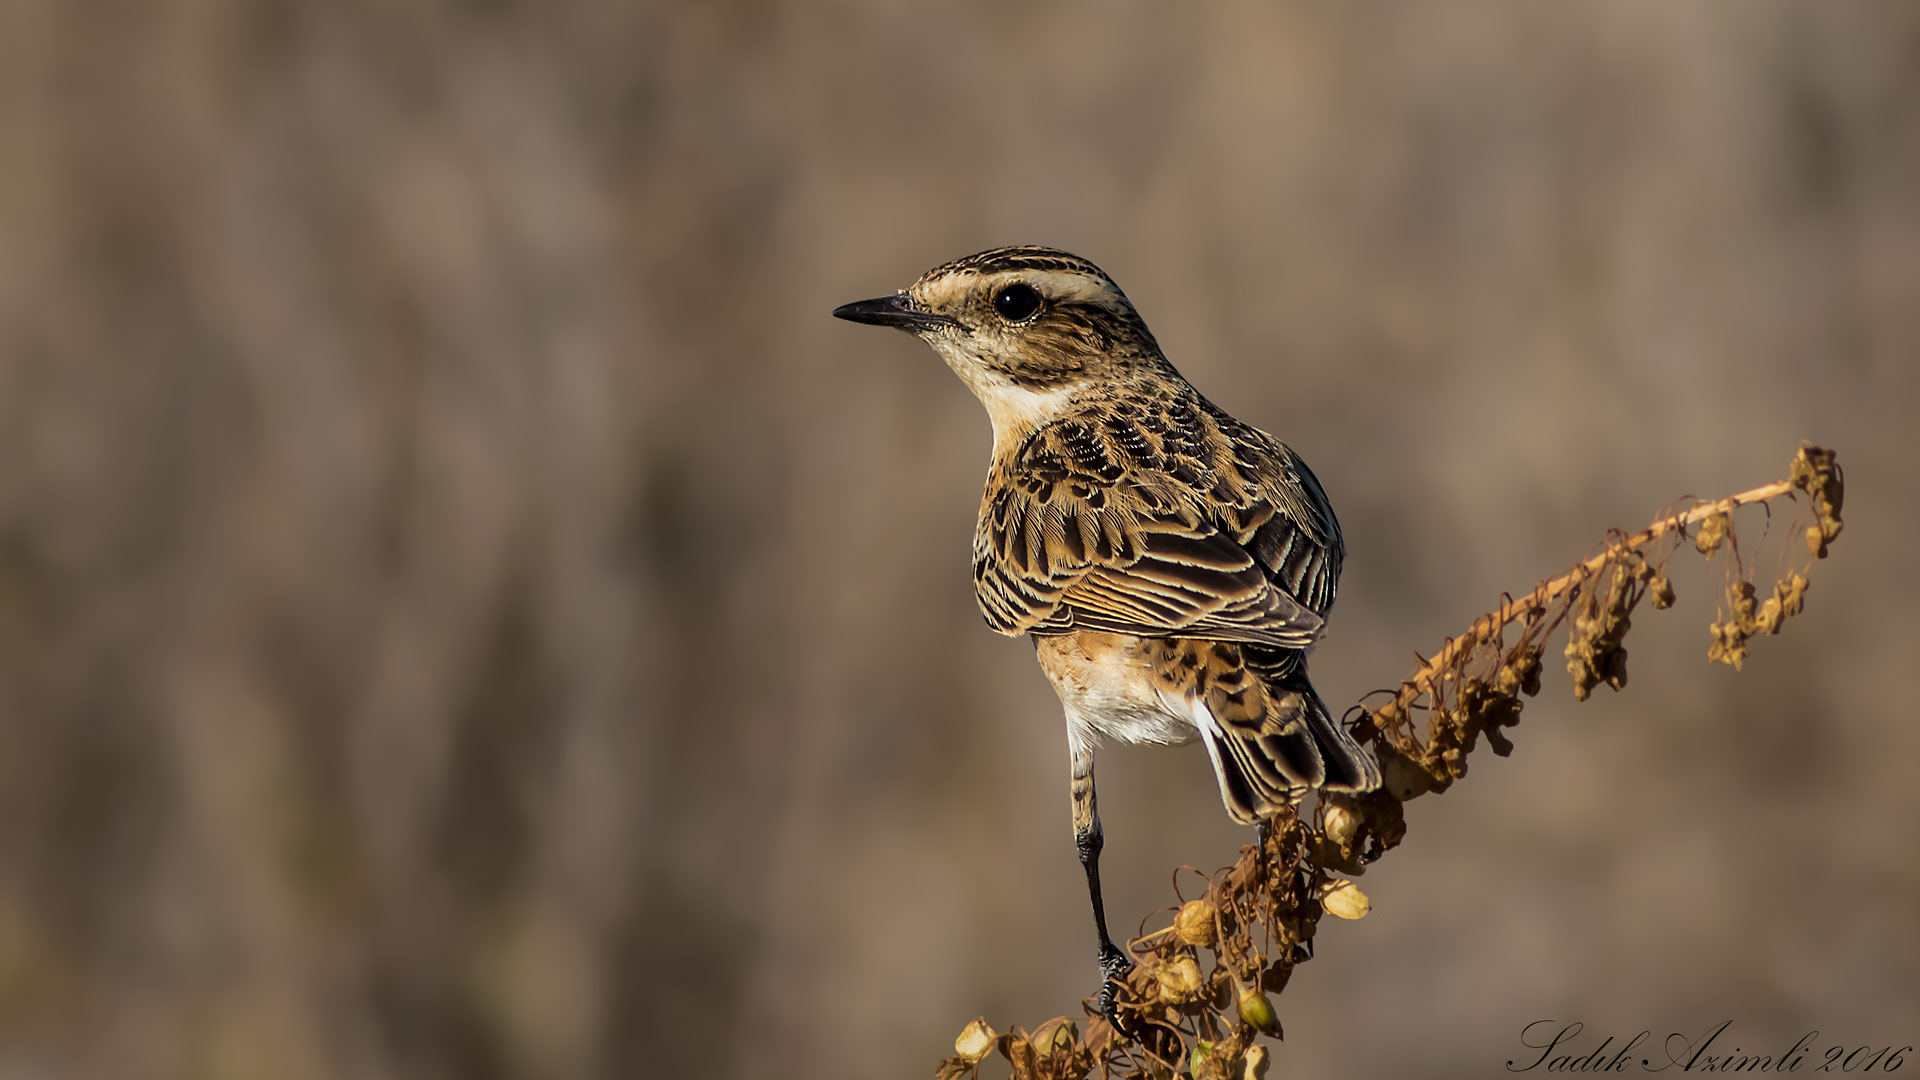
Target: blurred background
<point>466,611</point>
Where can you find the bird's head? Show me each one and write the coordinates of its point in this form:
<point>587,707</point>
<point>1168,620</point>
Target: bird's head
<point>1026,328</point>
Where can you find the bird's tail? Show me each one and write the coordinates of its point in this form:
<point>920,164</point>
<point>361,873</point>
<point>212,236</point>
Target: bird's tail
<point>1267,732</point>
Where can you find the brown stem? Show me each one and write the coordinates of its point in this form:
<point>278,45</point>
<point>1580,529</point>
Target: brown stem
<point>1548,591</point>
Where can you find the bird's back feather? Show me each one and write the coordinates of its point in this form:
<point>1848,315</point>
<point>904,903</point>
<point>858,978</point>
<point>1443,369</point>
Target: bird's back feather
<point>1147,511</point>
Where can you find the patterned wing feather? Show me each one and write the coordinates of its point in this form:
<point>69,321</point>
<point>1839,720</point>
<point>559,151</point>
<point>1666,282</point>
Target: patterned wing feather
<point>1156,521</point>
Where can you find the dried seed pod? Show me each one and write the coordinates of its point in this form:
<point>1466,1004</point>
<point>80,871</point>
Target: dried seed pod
<point>1343,899</point>
<point>1021,1054</point>
<point>1274,980</point>
<point>1617,669</point>
<point>1618,587</point>
<point>1729,644</point>
<point>1342,823</point>
<point>1472,697</point>
<point>1815,472</point>
<point>1521,672</point>
<point>1580,666</point>
<point>1194,924</point>
<point>1792,594</point>
<point>1740,595</point>
<point>1503,712</point>
<point>1057,1037</point>
<point>1287,931</point>
<point>1257,1012</point>
<point>1501,745</point>
<point>1713,532</point>
<point>1662,592</point>
<point>1344,860</point>
<point>1404,779</point>
<point>975,1041</point>
<point>1255,1067</point>
<point>1180,980</point>
<point>1202,1056</point>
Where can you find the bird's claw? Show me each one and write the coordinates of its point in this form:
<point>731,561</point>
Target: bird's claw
<point>1113,965</point>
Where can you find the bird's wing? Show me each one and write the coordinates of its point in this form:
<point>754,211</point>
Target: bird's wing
<point>1119,524</point>
<point>1289,524</point>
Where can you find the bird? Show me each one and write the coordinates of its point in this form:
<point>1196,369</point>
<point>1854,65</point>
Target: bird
<point>1172,564</point>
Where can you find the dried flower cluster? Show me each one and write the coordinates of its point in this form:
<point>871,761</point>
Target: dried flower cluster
<point>1200,992</point>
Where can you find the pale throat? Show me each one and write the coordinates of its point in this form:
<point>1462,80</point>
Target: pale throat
<point>1016,411</point>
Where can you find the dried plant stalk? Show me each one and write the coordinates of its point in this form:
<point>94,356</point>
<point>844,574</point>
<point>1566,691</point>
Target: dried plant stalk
<point>1199,994</point>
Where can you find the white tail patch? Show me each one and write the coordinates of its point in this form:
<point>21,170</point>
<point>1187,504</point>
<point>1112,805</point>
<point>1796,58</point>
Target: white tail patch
<point>1195,709</point>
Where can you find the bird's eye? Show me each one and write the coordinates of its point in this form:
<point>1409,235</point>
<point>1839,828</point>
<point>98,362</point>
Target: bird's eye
<point>1016,303</point>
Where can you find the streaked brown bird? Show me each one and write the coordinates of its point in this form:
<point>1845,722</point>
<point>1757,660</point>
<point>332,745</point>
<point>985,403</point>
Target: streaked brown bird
<point>1172,564</point>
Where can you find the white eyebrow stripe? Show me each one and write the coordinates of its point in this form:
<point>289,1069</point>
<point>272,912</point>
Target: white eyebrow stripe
<point>1056,285</point>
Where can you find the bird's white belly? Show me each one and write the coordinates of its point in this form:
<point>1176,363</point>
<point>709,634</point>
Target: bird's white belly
<point>1106,683</point>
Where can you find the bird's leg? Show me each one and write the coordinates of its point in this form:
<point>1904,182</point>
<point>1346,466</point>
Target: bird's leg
<point>1088,838</point>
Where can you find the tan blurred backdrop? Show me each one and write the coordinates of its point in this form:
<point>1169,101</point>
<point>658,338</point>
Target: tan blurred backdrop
<point>466,611</point>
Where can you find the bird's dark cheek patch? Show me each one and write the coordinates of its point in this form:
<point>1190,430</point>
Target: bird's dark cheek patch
<point>1025,375</point>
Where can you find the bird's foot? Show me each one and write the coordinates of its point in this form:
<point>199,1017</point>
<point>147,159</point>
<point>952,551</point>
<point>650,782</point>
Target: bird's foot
<point>1113,966</point>
<point>1155,1036</point>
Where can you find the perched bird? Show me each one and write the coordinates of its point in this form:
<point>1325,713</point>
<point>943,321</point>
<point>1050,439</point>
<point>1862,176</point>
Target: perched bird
<point>1171,563</point>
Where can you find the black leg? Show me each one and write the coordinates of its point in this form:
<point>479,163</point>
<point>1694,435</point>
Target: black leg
<point>1088,839</point>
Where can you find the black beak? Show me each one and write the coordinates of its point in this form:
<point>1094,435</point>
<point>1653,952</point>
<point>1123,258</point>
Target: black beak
<point>895,311</point>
